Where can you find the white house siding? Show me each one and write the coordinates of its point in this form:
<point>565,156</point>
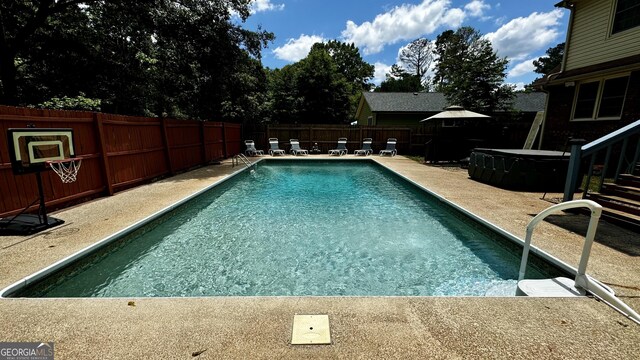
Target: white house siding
<point>591,40</point>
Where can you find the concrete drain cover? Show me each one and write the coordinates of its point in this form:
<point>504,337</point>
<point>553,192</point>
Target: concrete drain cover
<point>311,330</point>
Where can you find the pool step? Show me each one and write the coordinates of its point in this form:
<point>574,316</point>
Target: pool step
<point>556,287</point>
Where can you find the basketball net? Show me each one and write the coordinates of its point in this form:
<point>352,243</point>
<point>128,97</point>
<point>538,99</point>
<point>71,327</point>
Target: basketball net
<point>67,169</point>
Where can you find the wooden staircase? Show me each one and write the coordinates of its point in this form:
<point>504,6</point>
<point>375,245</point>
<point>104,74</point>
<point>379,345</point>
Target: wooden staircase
<point>621,200</point>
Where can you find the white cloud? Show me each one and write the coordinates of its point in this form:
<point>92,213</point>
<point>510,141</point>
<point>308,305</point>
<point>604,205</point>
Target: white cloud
<point>523,36</point>
<point>500,20</point>
<point>265,5</point>
<point>404,22</point>
<point>476,8</point>
<point>381,70</point>
<point>518,85</point>
<point>296,49</point>
<point>522,68</point>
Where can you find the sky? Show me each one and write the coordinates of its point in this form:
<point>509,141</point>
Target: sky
<point>521,30</point>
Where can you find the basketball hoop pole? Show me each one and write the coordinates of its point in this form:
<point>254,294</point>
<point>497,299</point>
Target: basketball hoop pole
<point>43,209</point>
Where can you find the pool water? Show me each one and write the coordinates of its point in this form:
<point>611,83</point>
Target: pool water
<point>303,228</point>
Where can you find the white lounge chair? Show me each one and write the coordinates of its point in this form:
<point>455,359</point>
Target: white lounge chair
<point>274,149</point>
<point>366,148</point>
<point>295,148</point>
<point>341,149</point>
<point>251,149</point>
<point>391,148</point>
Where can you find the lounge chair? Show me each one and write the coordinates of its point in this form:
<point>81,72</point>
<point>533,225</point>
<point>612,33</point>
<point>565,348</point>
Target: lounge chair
<point>251,149</point>
<point>341,149</point>
<point>274,149</point>
<point>391,148</point>
<point>295,148</point>
<point>366,148</point>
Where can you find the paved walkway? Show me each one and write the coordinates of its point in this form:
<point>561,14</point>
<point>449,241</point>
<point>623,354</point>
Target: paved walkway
<point>361,327</point>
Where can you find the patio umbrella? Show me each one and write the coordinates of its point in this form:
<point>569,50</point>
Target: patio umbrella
<point>456,112</point>
<point>455,116</point>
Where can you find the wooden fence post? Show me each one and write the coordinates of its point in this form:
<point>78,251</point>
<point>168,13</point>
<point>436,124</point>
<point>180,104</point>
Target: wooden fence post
<point>204,143</point>
<point>106,169</point>
<point>224,142</point>
<point>165,141</point>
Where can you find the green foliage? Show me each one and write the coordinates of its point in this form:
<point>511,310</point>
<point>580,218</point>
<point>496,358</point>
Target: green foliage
<point>470,73</point>
<point>79,102</point>
<point>545,64</point>
<point>399,80</point>
<point>146,57</point>
<point>324,87</point>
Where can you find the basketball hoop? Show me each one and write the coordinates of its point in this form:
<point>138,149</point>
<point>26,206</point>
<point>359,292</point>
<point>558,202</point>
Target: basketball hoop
<point>67,169</point>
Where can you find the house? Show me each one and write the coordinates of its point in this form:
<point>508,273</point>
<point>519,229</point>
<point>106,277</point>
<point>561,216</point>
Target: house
<point>452,138</point>
<point>596,89</point>
<point>407,109</point>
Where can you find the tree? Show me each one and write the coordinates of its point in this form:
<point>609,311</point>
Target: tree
<point>146,57</point>
<point>469,72</point>
<point>349,63</point>
<point>284,99</point>
<point>357,72</point>
<point>399,80</point>
<point>312,90</point>
<point>545,64</point>
<point>19,21</point>
<point>417,57</point>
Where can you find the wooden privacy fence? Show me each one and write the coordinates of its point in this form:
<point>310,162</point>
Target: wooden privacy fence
<point>119,152</point>
<point>327,136</point>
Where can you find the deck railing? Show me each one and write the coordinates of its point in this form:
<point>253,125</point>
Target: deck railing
<point>579,151</point>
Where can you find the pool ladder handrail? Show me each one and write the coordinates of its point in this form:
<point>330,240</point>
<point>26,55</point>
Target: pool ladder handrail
<point>582,280</point>
<point>240,157</point>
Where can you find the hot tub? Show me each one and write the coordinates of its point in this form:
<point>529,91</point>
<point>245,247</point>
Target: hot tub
<point>519,169</point>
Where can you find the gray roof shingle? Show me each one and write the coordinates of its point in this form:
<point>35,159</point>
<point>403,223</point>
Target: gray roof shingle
<point>436,102</point>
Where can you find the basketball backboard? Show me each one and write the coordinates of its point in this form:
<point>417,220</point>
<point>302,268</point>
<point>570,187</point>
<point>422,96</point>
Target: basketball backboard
<point>30,148</point>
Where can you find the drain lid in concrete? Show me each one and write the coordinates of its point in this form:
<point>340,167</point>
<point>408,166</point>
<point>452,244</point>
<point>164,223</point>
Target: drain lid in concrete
<point>310,330</point>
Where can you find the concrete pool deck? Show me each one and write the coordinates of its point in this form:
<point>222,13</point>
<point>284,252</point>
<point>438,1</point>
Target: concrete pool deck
<point>361,327</point>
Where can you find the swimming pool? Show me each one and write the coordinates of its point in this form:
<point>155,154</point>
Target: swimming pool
<point>301,228</point>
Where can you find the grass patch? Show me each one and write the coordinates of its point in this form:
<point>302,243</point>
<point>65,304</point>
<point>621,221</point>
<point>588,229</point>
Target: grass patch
<point>594,183</point>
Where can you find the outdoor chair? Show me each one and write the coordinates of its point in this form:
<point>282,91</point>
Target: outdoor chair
<point>295,148</point>
<point>274,149</point>
<point>341,149</point>
<point>391,148</point>
<point>251,149</point>
<point>366,148</point>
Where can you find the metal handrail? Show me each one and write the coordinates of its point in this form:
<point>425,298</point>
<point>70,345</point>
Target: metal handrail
<point>580,151</point>
<point>582,280</point>
<point>240,157</point>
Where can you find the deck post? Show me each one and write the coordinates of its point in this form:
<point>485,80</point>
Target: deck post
<point>574,168</point>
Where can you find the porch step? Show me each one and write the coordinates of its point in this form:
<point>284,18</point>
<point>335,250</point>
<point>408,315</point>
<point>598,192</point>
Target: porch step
<point>629,180</point>
<point>629,192</point>
<point>616,202</point>
<point>621,218</point>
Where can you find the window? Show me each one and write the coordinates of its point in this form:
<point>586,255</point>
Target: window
<point>613,97</point>
<point>586,101</point>
<point>600,99</point>
<point>627,15</point>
